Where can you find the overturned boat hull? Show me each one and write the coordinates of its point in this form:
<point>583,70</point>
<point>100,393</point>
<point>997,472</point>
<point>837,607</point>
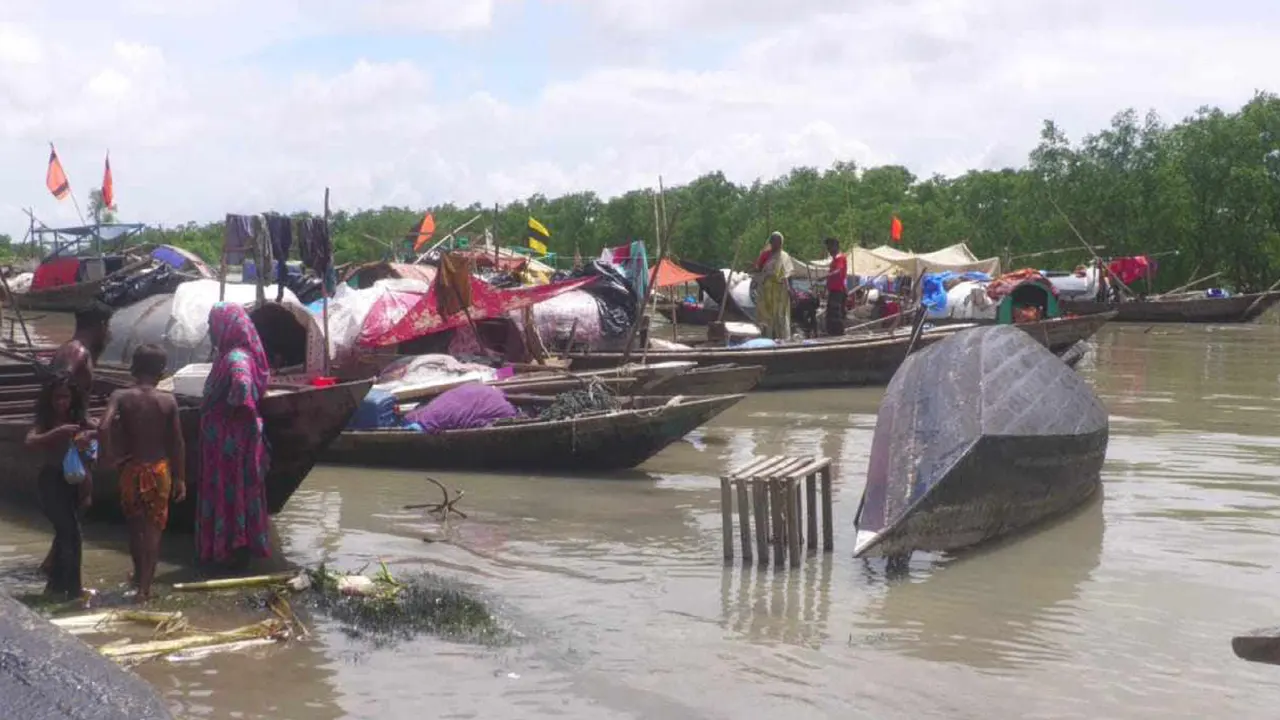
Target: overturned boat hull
<point>978,437</point>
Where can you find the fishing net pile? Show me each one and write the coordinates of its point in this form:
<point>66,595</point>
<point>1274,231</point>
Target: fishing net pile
<point>593,397</point>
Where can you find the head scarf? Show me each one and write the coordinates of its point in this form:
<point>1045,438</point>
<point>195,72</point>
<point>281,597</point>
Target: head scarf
<point>231,329</point>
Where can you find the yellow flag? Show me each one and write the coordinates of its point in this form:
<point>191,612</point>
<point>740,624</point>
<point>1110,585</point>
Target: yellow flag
<point>538,247</point>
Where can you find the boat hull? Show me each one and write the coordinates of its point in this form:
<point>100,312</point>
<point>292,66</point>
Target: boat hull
<point>1003,486</point>
<point>599,443</point>
<point>980,436</point>
<point>299,425</point>
<point>836,362</point>
<point>1237,309</point>
<point>68,298</point>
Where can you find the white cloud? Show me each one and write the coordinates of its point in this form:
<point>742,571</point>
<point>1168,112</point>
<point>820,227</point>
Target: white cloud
<point>199,124</point>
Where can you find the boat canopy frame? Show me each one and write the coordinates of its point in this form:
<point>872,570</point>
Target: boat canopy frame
<point>72,241</point>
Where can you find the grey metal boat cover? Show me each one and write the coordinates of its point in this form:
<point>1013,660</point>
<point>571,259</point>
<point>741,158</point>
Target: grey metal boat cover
<point>993,381</point>
<point>46,674</point>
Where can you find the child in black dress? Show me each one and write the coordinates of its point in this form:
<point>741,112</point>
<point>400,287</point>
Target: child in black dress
<point>62,422</point>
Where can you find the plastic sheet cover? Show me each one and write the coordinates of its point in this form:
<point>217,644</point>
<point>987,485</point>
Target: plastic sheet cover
<point>192,302</point>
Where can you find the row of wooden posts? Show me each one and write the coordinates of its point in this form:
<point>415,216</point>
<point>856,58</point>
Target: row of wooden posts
<point>769,489</point>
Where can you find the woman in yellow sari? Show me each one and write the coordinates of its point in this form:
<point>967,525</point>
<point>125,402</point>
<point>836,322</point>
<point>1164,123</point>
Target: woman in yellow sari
<point>773,303</point>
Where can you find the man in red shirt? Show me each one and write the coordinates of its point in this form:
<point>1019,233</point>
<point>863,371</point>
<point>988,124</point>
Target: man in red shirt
<point>836,287</point>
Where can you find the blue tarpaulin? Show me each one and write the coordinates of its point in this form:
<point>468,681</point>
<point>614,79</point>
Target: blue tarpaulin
<point>933,291</point>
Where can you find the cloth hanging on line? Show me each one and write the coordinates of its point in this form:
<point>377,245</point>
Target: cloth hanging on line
<point>280,230</point>
<point>247,235</point>
<point>314,244</point>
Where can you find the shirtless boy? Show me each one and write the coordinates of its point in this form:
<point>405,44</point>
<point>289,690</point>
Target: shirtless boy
<point>144,437</point>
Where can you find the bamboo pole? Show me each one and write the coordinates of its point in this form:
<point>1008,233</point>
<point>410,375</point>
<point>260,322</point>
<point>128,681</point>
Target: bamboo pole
<point>828,531</point>
<point>726,518</point>
<point>444,239</point>
<point>811,496</point>
<point>1258,299</point>
<point>324,284</point>
<point>792,488</point>
<point>644,303</point>
<point>1086,244</point>
<point>777,500</point>
<point>744,522</point>
<point>1190,285</point>
<point>760,493</point>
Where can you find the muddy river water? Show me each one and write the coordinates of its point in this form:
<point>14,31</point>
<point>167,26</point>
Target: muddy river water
<point>617,589</point>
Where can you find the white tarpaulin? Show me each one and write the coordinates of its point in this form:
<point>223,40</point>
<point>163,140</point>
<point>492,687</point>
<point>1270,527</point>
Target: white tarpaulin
<point>892,262</point>
<point>192,301</point>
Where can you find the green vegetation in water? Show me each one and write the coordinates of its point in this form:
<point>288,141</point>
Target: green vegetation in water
<point>400,609</point>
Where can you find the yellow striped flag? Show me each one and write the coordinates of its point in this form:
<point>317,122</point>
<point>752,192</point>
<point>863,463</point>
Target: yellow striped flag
<point>538,236</point>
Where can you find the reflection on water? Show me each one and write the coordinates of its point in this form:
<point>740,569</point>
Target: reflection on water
<point>1122,610</point>
<point>997,607</point>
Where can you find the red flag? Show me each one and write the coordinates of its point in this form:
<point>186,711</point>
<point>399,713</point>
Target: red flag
<point>895,229</point>
<point>425,231</point>
<point>108,187</point>
<point>54,178</point>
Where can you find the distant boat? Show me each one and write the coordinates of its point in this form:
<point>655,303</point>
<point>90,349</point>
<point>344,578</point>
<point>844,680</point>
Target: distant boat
<point>1187,308</point>
<point>978,436</point>
<point>77,271</point>
<point>866,359</point>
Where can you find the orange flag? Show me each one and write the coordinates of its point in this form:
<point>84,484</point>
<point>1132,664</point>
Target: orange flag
<point>425,231</point>
<point>54,178</point>
<point>108,187</point>
<point>895,229</point>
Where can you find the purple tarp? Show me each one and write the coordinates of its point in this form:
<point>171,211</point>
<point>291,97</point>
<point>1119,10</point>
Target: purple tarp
<point>473,405</point>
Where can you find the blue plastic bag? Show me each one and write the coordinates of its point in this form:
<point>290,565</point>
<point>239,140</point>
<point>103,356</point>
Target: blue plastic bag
<point>73,470</point>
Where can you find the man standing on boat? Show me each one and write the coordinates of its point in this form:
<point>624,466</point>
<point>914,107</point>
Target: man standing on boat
<point>837,279</point>
<point>79,354</point>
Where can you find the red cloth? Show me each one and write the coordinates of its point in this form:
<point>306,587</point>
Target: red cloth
<point>764,258</point>
<point>1129,269</point>
<point>1005,284</point>
<point>402,316</point>
<point>840,265</point>
<point>56,273</point>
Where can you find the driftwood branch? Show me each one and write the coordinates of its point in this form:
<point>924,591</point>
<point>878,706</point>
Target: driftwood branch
<point>443,508</point>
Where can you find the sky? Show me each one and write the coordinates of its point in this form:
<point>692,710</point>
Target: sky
<point>216,106</point>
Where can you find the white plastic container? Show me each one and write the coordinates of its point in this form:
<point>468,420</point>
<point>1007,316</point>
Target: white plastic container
<point>189,380</point>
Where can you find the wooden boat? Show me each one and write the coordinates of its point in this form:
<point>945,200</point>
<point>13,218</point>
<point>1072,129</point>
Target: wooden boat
<point>977,437</point>
<point>299,422</point>
<point>72,297</point>
<point>827,362</point>
<point>726,379</point>
<point>1192,308</point>
<point>593,442</point>
<point>851,360</point>
<point>1060,333</point>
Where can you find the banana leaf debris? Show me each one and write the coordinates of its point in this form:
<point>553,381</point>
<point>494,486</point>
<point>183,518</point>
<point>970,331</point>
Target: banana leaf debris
<point>379,608</point>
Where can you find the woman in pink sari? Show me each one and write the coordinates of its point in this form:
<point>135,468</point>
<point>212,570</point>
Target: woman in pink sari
<point>231,515</point>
